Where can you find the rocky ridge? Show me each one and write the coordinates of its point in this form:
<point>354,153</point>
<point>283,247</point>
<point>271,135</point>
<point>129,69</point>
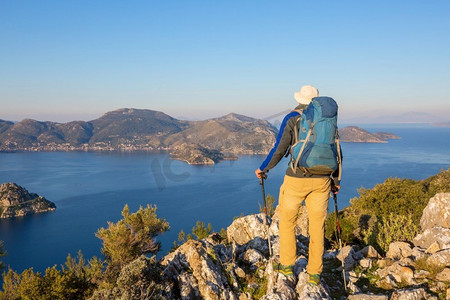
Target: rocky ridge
<point>16,201</point>
<point>241,268</point>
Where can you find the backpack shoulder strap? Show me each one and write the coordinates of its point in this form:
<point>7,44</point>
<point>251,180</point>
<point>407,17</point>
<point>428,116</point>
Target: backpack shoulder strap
<point>297,123</point>
<point>338,148</point>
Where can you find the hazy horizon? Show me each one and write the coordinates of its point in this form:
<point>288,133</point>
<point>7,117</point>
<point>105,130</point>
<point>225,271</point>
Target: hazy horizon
<point>368,117</point>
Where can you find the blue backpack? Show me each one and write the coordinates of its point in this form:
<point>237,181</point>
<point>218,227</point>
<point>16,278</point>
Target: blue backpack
<point>316,149</point>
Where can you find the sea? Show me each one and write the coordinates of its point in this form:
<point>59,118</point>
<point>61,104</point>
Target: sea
<point>90,189</point>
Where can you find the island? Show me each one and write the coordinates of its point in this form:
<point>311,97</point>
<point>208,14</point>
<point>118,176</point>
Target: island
<point>16,201</point>
<point>356,134</point>
<point>195,154</point>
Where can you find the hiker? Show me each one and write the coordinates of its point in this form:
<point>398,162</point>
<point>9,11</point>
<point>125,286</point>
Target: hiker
<point>299,186</point>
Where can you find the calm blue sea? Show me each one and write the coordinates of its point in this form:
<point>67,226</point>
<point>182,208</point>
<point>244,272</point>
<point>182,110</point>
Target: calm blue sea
<point>90,189</point>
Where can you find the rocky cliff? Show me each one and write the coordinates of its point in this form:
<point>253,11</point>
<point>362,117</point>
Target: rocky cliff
<point>240,266</point>
<point>15,201</point>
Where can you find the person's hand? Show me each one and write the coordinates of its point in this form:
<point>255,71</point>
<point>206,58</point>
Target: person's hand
<point>259,173</point>
<point>335,189</point>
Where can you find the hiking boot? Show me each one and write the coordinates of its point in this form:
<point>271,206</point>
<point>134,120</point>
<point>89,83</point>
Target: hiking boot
<point>314,279</point>
<point>282,269</point>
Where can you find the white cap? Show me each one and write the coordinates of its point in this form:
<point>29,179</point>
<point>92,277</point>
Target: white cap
<point>306,93</point>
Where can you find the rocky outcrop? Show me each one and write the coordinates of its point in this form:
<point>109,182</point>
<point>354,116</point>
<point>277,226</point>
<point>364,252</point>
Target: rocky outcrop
<point>16,201</point>
<point>197,269</point>
<point>437,212</point>
<point>435,225</point>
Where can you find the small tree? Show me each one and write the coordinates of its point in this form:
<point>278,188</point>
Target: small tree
<point>200,231</point>
<point>270,203</point>
<point>132,236</point>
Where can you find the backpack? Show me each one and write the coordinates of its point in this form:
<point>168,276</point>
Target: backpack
<point>316,149</point>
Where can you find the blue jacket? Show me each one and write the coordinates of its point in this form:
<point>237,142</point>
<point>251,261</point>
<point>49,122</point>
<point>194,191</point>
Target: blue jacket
<point>285,139</point>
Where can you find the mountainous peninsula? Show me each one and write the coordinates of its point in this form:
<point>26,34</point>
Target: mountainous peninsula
<point>16,201</point>
<point>142,130</point>
<point>127,129</point>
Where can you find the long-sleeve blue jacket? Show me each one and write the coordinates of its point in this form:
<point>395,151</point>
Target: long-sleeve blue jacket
<point>285,139</point>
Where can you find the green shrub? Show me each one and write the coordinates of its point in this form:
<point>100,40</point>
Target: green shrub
<point>391,228</point>
<point>369,212</point>
<point>346,225</point>
<point>75,280</point>
<point>404,196</point>
<point>423,264</point>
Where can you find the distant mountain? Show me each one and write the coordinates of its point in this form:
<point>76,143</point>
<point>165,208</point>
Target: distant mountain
<point>358,135</point>
<point>131,129</point>
<point>442,124</point>
<point>232,133</point>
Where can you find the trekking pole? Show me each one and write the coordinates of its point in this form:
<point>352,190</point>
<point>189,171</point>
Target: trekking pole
<point>338,230</point>
<point>266,219</point>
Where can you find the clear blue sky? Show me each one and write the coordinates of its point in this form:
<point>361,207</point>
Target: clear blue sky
<point>65,60</point>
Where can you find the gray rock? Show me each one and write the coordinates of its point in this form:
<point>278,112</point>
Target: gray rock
<point>398,272</point>
<point>369,252</point>
<point>417,253</point>
<point>399,250</point>
<point>367,297</point>
<point>440,258</point>
<point>192,267</point>
<point>330,254</point>
<point>444,275</point>
<point>245,229</point>
<point>421,274</point>
<point>259,244</point>
<point>432,236</point>
<point>347,254</point>
<point>272,296</point>
<point>239,272</point>
<point>278,286</point>
<point>366,263</point>
<point>309,291</point>
<point>300,265</point>
<point>353,288</point>
<point>411,294</point>
<point>437,212</point>
<point>253,256</point>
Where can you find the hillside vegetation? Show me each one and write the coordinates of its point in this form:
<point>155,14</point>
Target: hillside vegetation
<point>395,205</point>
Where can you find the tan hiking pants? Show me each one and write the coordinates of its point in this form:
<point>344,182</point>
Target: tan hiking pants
<point>315,192</point>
